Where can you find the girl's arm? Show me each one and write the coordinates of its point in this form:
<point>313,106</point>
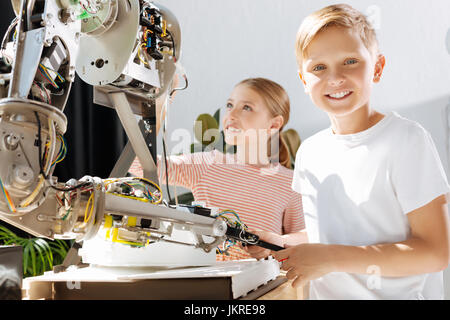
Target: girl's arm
<point>183,170</point>
<point>293,224</point>
<point>425,251</point>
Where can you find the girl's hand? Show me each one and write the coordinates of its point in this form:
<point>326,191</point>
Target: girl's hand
<point>305,262</point>
<point>259,252</point>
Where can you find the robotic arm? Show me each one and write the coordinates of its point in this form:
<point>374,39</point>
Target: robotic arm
<point>126,49</point>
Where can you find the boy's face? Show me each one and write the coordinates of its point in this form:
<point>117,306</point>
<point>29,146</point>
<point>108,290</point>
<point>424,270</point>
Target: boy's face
<point>338,71</point>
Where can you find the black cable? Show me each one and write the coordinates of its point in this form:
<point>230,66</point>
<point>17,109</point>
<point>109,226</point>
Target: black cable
<point>165,160</point>
<point>41,167</point>
<point>39,142</point>
<point>83,184</point>
<point>186,83</point>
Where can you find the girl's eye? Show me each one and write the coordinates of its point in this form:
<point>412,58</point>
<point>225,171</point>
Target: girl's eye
<point>351,61</point>
<point>247,108</point>
<point>229,106</point>
<point>319,68</point>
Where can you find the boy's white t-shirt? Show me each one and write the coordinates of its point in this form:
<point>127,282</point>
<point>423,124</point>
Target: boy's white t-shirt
<point>357,190</point>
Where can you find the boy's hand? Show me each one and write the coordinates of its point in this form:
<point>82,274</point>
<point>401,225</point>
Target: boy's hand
<point>259,252</point>
<point>304,262</point>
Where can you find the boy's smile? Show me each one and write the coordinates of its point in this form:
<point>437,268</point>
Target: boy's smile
<point>339,70</point>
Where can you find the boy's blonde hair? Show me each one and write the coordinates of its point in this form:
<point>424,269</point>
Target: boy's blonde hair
<point>341,15</point>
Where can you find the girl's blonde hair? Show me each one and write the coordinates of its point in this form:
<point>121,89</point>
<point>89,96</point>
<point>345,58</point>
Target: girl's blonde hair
<point>277,101</point>
<point>341,15</point>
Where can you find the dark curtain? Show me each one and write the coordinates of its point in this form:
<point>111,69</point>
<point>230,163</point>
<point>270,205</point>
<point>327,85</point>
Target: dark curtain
<point>95,137</point>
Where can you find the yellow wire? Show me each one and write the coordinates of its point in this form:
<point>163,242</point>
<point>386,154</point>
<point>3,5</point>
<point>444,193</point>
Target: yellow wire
<point>28,200</point>
<point>87,207</point>
<point>130,197</point>
<point>164,23</point>
<point>50,142</point>
<point>146,33</point>
<point>109,181</point>
<point>139,54</point>
<point>63,147</point>
<point>57,74</point>
<point>48,75</point>
<point>156,186</point>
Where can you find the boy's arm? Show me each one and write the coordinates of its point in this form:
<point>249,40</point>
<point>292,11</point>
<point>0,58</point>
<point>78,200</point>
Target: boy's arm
<point>426,250</point>
<point>289,239</point>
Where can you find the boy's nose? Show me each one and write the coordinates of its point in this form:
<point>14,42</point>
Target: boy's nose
<point>335,80</point>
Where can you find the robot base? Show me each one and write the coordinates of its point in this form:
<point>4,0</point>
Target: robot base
<point>98,251</point>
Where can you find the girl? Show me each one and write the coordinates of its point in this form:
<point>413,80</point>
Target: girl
<point>255,182</point>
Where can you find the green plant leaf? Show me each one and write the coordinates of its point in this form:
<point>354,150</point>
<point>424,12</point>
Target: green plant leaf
<point>46,251</point>
<point>26,258</point>
<point>62,243</point>
<point>197,147</point>
<point>59,250</point>
<point>33,258</point>
<point>40,254</point>
<point>7,232</point>
<point>207,123</point>
<point>217,116</point>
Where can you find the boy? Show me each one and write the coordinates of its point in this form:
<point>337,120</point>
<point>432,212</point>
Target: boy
<point>373,187</point>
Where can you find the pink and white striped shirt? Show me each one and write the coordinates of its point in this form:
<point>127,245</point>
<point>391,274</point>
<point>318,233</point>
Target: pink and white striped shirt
<point>262,197</point>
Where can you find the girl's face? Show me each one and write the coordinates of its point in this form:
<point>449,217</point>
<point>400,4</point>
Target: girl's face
<point>247,116</point>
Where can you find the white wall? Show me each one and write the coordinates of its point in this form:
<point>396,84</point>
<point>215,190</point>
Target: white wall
<point>224,42</point>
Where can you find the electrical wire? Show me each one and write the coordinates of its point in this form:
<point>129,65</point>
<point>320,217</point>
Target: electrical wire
<point>234,221</point>
<point>41,168</point>
<point>52,145</point>
<point>8,199</point>
<point>155,185</point>
<point>39,142</point>
<point>165,162</point>
<point>62,151</point>
<point>139,54</point>
<point>186,83</point>
<point>44,73</point>
<point>173,46</point>
<point>86,220</point>
<point>5,38</point>
<point>57,73</point>
<point>130,182</point>
<point>88,7</point>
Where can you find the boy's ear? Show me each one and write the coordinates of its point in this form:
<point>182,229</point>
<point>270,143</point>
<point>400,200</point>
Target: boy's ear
<point>303,81</point>
<point>379,67</point>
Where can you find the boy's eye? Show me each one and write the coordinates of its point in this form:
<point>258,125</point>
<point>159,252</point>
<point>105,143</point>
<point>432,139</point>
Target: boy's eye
<point>229,106</point>
<point>351,61</point>
<point>247,108</point>
<point>319,67</point>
